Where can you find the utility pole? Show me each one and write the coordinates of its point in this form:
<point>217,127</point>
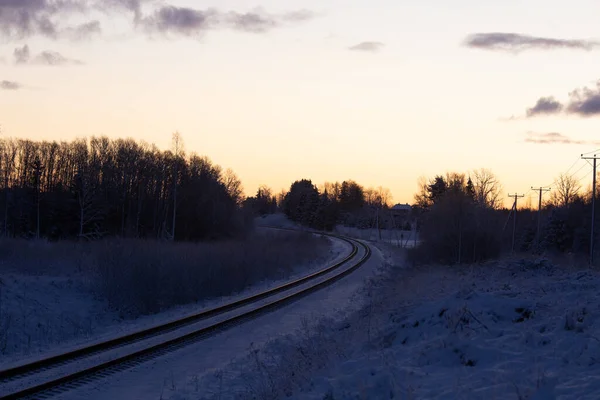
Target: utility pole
<point>593,207</point>
<point>516,197</point>
<point>541,190</point>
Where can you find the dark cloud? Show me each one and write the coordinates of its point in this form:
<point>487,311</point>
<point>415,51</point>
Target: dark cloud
<point>545,105</point>
<point>181,20</point>
<point>367,46</point>
<point>259,21</point>
<point>584,102</point>
<point>134,6</point>
<point>514,42</point>
<point>10,85</point>
<point>21,19</point>
<point>54,58</point>
<point>84,31</point>
<point>555,138</point>
<point>191,22</point>
<point>22,55</point>
<point>24,18</point>
<point>255,22</point>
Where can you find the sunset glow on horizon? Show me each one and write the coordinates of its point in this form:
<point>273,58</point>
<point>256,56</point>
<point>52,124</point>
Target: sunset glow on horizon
<point>377,92</point>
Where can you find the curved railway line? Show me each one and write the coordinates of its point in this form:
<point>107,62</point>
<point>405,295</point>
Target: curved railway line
<point>37,380</point>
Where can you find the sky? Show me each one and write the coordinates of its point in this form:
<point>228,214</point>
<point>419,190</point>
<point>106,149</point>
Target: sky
<point>381,92</point>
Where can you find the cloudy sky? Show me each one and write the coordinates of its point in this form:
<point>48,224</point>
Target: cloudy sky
<point>378,91</point>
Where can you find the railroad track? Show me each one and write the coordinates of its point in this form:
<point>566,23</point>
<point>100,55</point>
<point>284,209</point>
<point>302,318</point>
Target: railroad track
<point>40,379</point>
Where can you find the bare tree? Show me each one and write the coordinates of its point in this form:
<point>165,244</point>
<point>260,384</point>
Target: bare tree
<point>567,190</point>
<point>89,212</point>
<point>177,144</point>
<point>370,196</point>
<point>456,181</point>
<point>233,184</point>
<point>422,197</point>
<point>487,188</point>
<point>379,198</point>
<point>281,198</point>
<point>118,187</point>
<point>264,191</point>
<point>9,153</point>
<point>384,196</point>
<point>37,169</point>
<point>333,190</point>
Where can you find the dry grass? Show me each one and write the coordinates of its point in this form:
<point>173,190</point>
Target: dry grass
<point>39,257</point>
<point>143,277</point>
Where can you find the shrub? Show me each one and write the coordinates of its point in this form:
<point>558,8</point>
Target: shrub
<point>146,276</point>
<point>457,230</point>
<point>141,277</point>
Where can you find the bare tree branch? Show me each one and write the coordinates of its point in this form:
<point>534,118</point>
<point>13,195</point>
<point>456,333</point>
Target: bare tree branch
<point>487,188</point>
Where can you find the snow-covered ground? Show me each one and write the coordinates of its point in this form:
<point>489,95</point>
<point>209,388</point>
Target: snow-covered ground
<point>516,329</point>
<point>277,220</point>
<point>511,329</point>
<point>46,313</point>
<point>506,330</point>
<point>199,370</point>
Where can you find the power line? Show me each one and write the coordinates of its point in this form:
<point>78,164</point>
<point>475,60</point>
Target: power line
<point>572,165</point>
<point>541,189</point>
<point>565,173</point>
<point>516,197</point>
<point>576,172</point>
<point>554,182</point>
<point>585,176</point>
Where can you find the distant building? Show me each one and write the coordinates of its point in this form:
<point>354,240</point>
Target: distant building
<point>401,209</point>
<point>401,216</point>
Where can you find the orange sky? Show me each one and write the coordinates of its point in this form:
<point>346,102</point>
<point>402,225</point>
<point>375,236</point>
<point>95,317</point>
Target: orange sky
<point>381,93</point>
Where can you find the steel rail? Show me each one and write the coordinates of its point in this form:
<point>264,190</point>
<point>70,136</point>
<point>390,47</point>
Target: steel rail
<point>139,356</point>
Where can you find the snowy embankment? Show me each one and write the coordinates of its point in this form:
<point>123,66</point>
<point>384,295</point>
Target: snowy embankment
<point>209,367</point>
<point>47,307</point>
<point>515,329</point>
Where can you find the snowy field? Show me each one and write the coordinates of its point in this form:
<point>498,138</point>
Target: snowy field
<point>516,329</point>
<point>50,302</point>
<point>394,237</point>
<point>511,329</point>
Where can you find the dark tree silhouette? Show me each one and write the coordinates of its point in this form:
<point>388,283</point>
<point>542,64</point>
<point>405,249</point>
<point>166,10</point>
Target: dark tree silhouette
<point>351,197</point>
<point>301,202</point>
<point>102,187</point>
<point>437,188</point>
<point>456,228</point>
<point>263,203</point>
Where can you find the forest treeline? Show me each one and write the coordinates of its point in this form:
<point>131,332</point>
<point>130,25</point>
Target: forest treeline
<point>103,187</point>
<point>462,219</point>
<point>346,203</point>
